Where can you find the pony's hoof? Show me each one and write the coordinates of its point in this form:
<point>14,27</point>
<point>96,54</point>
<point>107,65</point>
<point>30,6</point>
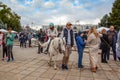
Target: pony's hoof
<point>55,68</point>
<point>49,64</point>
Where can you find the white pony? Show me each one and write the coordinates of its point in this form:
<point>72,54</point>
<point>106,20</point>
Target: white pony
<point>57,46</point>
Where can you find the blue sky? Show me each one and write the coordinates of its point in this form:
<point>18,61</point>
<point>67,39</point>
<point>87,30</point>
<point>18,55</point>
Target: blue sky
<point>42,12</point>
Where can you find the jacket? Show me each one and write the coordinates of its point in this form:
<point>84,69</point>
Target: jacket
<point>104,42</point>
<point>10,39</point>
<point>65,34</point>
<point>114,37</point>
<point>80,42</point>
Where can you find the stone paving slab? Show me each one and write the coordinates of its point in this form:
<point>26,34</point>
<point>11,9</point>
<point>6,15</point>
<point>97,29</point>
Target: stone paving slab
<point>29,65</point>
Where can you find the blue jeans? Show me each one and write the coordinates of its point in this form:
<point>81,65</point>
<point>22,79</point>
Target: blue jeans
<point>80,56</point>
<point>114,53</point>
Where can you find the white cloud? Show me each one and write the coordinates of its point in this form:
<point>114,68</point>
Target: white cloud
<point>60,12</point>
<point>49,4</point>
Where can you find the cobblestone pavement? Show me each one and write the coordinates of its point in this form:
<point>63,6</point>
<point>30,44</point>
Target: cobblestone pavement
<point>29,65</point>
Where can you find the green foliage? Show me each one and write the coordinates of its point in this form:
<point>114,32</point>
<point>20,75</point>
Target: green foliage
<point>115,15</point>
<point>10,18</point>
<point>104,21</point>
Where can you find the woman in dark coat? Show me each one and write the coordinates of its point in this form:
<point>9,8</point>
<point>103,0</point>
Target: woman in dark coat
<point>104,45</point>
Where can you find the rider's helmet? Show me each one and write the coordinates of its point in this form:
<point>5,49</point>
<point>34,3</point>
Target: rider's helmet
<point>51,25</point>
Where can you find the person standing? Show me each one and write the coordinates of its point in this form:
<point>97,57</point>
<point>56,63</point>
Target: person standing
<point>41,38</point>
<point>69,37</point>
<point>118,46</point>
<point>1,40</point>
<point>93,42</point>
<point>112,37</point>
<point>52,33</point>
<point>104,45</point>
<point>21,39</point>
<point>9,43</point>
<point>25,39</point>
<point>29,39</point>
<point>4,48</point>
<point>80,46</point>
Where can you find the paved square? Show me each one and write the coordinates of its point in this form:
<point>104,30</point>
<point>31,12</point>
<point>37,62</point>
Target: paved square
<point>29,65</point>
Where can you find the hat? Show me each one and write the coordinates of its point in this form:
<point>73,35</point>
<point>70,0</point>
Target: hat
<point>51,24</point>
<point>79,33</point>
<point>68,23</point>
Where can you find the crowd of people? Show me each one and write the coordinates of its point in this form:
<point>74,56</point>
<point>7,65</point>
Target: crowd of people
<point>104,40</point>
<point>24,37</point>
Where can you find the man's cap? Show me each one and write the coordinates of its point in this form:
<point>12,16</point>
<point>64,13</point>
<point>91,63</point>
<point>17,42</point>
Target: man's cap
<point>51,24</point>
<point>69,23</point>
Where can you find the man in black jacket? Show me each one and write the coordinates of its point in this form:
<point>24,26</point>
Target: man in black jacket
<point>41,38</point>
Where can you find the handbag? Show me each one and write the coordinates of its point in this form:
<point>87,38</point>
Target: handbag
<point>105,43</point>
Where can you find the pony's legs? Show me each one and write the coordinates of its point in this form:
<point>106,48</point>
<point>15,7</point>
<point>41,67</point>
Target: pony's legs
<point>55,59</point>
<point>50,61</point>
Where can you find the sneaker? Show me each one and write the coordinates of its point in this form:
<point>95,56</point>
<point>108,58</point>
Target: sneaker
<point>81,66</point>
<point>66,67</point>
<point>119,58</point>
<point>12,59</point>
<point>46,52</point>
<point>3,59</point>
<point>106,62</point>
<point>63,66</point>
<point>8,60</point>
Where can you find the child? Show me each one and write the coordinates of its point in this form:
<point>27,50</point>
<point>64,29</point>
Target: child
<point>4,48</point>
<point>80,46</point>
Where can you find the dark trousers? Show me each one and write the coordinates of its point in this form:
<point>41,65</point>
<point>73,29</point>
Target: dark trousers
<point>103,55</point>
<point>40,49</point>
<point>25,44</point>
<point>9,51</point>
<point>21,44</point>
<point>80,56</point>
<point>4,52</point>
<point>29,42</point>
<point>114,53</point>
<point>48,45</point>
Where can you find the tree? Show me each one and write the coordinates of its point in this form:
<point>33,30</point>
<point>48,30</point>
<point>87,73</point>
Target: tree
<point>104,21</point>
<point>114,18</point>
<point>10,18</point>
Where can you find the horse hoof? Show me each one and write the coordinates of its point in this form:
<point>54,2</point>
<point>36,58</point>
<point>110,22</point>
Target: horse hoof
<point>55,68</point>
<point>49,64</point>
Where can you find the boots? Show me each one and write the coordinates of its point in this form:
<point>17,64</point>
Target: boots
<point>119,58</point>
<point>94,69</point>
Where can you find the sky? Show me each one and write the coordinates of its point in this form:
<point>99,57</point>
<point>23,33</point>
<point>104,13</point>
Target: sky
<point>43,12</point>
